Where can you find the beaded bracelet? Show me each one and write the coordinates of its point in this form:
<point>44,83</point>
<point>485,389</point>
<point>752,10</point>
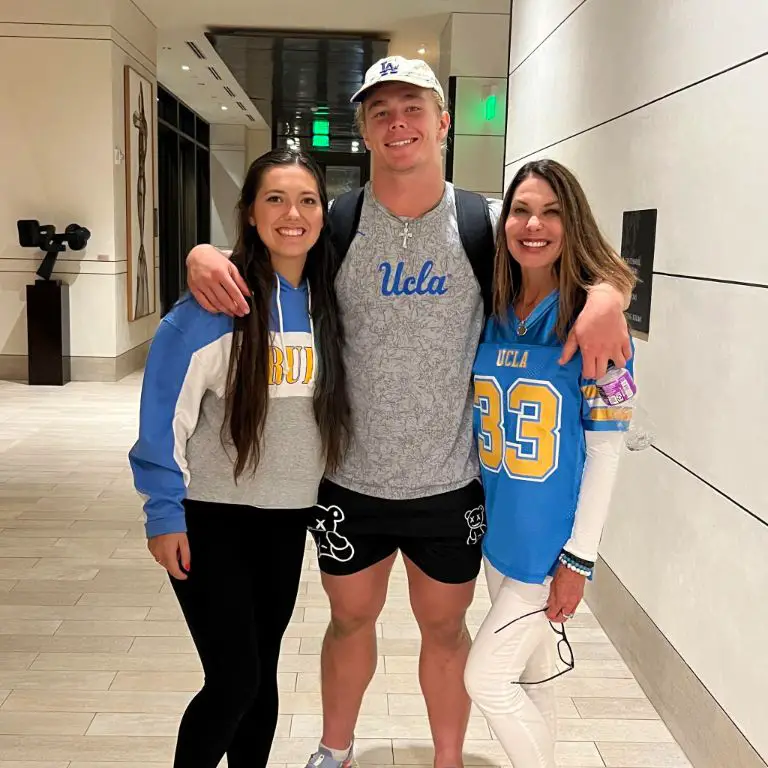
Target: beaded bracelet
<point>579,560</point>
<point>575,564</point>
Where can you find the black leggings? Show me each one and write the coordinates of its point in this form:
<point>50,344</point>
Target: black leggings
<point>245,565</point>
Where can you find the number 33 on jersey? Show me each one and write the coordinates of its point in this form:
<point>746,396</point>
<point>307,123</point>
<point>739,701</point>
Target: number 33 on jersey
<point>530,416</point>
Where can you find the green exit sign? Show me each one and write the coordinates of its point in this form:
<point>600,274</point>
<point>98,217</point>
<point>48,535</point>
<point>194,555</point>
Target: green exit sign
<point>490,107</point>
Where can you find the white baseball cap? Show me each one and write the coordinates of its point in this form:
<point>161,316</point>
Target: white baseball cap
<point>396,69</point>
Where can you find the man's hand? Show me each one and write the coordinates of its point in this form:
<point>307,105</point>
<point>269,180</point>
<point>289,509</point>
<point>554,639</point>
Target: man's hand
<point>215,282</point>
<point>600,332</point>
<point>171,550</point>
<point>565,594</point>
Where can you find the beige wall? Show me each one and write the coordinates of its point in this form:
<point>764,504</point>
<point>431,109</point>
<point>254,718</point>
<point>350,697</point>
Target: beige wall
<point>257,143</point>
<point>657,104</point>
<point>62,123</point>
<point>473,50</point>
<point>228,153</point>
<point>233,149</point>
<point>479,44</point>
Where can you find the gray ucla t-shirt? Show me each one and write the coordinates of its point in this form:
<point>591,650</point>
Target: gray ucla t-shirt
<point>413,316</point>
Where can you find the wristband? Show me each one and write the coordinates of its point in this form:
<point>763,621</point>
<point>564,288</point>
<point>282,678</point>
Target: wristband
<point>577,565</point>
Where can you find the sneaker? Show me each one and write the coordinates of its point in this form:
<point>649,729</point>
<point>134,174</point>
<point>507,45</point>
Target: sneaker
<point>324,759</point>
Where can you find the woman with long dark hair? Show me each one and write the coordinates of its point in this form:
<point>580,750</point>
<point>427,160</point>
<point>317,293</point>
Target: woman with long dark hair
<point>239,420</point>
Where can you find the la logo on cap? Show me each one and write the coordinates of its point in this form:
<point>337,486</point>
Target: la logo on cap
<point>388,67</point>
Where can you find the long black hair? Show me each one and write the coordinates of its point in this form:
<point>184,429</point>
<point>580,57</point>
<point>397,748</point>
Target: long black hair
<point>247,396</point>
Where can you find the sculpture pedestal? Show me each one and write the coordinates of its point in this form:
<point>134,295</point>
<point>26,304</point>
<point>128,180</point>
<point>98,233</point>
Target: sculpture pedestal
<point>48,355</point>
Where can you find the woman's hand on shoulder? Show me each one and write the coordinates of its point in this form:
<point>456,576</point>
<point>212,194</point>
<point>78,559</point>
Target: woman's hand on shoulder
<point>171,550</point>
<point>215,282</point>
<point>600,332</point>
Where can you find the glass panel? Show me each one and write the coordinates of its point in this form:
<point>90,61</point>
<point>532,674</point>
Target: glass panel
<point>167,107</point>
<point>203,132</point>
<point>168,209</point>
<point>187,120</point>
<point>341,178</point>
<point>203,195</point>
<point>188,196</point>
<point>342,146</point>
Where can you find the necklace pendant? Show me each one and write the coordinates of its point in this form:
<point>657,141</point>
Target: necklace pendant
<point>407,235</point>
<point>522,328</point>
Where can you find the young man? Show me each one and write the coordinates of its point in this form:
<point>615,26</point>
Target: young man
<point>413,316</point>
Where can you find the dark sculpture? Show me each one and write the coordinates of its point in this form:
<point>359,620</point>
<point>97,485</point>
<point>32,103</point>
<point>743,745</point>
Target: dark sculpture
<point>141,306</point>
<point>33,235</point>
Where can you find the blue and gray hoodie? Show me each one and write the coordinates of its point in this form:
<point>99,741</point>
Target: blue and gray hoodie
<point>179,452</point>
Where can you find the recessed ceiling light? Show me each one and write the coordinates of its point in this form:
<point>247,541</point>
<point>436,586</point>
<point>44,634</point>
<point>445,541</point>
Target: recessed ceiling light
<point>185,67</point>
<point>421,51</point>
<point>224,108</point>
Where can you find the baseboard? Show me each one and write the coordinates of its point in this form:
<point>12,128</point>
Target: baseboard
<point>14,367</point>
<point>701,727</point>
<point>132,360</point>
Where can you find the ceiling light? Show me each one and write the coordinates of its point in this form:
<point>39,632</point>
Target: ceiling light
<point>421,51</point>
<point>224,108</point>
<point>185,67</point>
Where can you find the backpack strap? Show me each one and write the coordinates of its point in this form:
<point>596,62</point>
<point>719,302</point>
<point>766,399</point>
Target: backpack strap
<point>476,232</point>
<point>344,217</point>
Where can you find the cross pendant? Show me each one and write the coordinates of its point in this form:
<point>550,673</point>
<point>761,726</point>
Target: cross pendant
<point>406,236</point>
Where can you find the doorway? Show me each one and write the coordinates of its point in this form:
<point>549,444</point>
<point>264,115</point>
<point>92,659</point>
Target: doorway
<point>343,171</point>
<point>184,204</point>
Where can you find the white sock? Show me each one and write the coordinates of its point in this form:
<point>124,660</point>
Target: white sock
<point>340,755</point>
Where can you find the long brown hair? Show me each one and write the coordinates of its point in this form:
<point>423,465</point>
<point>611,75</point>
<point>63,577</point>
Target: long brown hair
<point>586,259</point>
<point>247,398</point>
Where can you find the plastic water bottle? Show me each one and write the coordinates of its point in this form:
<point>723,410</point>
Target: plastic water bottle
<point>617,387</point>
<point>641,433</point>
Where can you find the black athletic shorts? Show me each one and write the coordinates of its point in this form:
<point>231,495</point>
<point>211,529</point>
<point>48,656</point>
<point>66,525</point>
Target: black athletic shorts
<point>441,534</point>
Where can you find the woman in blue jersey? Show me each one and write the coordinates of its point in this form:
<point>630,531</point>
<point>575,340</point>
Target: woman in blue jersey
<point>549,448</point>
<point>240,418</point>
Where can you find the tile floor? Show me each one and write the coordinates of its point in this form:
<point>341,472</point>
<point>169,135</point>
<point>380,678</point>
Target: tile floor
<point>96,665</point>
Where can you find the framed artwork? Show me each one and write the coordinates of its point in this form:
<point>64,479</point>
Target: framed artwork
<point>140,193</point>
<point>638,245</point>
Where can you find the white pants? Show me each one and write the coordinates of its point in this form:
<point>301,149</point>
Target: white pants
<point>522,717</point>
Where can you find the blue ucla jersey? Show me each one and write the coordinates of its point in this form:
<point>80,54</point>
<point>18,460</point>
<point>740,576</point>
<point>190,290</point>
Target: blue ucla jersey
<point>530,415</point>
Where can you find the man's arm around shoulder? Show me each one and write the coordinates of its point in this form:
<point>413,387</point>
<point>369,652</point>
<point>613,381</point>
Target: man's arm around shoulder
<point>215,281</point>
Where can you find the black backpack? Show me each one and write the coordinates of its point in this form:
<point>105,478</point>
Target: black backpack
<point>475,230</point>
